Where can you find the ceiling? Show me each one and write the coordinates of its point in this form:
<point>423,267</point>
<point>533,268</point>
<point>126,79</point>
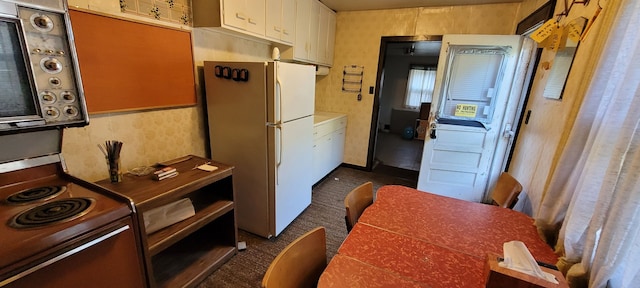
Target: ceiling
<point>355,5</point>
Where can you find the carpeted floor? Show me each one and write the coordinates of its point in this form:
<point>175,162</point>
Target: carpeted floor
<point>327,209</point>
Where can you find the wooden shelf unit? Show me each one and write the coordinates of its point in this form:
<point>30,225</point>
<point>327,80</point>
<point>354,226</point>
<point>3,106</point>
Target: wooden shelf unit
<point>183,254</point>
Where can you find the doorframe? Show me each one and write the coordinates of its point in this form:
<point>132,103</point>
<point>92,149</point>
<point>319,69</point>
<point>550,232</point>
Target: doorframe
<point>525,27</point>
<point>373,132</point>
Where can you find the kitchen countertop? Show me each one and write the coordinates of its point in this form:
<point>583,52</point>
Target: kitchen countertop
<point>321,116</point>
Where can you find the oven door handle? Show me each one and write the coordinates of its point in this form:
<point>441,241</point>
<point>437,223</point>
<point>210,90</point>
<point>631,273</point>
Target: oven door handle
<point>66,254</point>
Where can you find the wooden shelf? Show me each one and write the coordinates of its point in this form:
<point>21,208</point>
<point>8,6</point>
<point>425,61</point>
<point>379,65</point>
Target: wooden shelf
<point>191,262</point>
<point>166,237</point>
<point>185,253</point>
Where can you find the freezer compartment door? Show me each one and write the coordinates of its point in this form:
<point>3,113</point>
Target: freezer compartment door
<point>290,159</point>
<point>291,91</point>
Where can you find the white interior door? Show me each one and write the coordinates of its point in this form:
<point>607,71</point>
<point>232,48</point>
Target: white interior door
<point>479,81</point>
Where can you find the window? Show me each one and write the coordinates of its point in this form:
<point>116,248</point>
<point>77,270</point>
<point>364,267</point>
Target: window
<point>419,86</point>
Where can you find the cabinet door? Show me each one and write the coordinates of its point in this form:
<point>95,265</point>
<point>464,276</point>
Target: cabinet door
<point>314,21</point>
<point>280,20</point>
<point>323,32</point>
<point>274,19</point>
<point>288,20</point>
<point>255,10</point>
<point>331,37</point>
<point>316,164</point>
<point>322,155</point>
<point>337,147</point>
<point>301,44</point>
<point>234,14</point>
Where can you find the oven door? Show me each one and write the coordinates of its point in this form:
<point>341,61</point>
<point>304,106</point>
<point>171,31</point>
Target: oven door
<point>108,257</point>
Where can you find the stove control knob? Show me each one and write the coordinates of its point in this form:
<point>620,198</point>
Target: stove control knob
<point>61,53</point>
<point>68,96</point>
<point>71,111</point>
<point>37,50</point>
<point>51,65</point>
<point>48,97</point>
<point>41,22</point>
<point>51,112</point>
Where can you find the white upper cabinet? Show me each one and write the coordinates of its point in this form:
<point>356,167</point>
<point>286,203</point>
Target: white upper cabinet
<point>304,30</point>
<point>326,35</point>
<point>255,10</point>
<point>314,29</point>
<point>234,14</point>
<point>244,16</point>
<point>315,33</point>
<point>331,37</point>
<point>280,20</point>
<point>301,45</point>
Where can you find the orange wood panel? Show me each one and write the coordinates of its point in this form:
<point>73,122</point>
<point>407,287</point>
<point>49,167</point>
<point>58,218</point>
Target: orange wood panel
<point>128,65</point>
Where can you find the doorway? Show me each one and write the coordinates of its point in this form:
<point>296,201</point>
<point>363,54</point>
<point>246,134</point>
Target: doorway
<point>396,144</point>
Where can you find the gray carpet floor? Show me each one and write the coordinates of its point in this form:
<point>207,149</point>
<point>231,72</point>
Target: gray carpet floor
<point>327,209</point>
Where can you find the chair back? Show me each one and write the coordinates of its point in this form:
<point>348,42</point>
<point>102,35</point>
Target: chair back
<point>506,192</point>
<point>300,263</point>
<point>356,201</point>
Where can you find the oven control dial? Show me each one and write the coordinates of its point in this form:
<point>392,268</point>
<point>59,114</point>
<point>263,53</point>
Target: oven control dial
<point>51,112</point>
<point>51,65</point>
<point>70,111</point>
<point>41,22</point>
<point>68,97</point>
<point>48,97</point>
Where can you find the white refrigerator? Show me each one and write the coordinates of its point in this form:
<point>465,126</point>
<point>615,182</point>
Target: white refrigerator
<point>260,118</point>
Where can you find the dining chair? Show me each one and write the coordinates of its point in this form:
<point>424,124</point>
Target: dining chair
<point>506,192</point>
<point>300,263</point>
<point>355,202</point>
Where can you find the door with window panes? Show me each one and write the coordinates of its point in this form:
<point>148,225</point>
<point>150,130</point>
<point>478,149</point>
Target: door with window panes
<point>479,84</point>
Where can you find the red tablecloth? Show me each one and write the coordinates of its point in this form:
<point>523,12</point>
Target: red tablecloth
<point>422,239</point>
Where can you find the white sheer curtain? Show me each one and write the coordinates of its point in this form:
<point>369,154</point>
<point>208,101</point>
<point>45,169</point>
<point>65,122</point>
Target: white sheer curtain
<point>419,87</point>
<point>598,176</point>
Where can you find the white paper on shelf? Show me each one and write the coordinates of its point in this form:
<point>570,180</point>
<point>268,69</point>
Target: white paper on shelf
<point>163,216</point>
<point>517,257</point>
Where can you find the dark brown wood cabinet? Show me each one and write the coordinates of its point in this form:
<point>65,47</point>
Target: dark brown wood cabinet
<point>183,254</point>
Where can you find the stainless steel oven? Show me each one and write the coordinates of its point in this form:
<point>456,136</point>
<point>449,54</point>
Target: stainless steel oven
<point>40,83</point>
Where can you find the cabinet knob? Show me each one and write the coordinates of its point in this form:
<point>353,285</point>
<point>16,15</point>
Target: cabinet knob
<point>240,16</point>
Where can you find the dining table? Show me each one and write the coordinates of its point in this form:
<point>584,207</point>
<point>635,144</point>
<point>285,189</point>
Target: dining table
<point>412,238</point>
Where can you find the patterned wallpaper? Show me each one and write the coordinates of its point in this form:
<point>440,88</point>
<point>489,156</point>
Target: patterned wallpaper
<point>358,43</point>
<point>178,11</point>
<point>158,135</point>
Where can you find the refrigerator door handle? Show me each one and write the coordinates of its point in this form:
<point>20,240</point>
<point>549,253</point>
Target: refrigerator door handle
<point>278,146</point>
<point>279,98</point>
<point>279,150</point>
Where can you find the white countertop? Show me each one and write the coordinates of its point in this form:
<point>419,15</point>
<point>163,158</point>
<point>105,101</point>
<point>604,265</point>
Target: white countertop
<point>322,116</point>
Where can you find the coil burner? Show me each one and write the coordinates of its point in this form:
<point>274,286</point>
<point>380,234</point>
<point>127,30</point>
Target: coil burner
<point>57,211</point>
<point>38,194</point>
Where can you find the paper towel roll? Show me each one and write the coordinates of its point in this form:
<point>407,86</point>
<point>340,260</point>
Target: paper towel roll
<point>322,70</point>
